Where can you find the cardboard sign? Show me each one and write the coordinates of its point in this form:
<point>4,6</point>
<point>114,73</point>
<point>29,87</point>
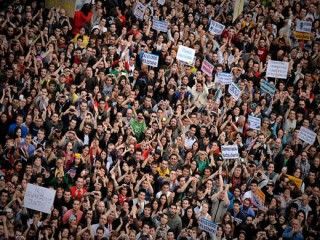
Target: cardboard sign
<point>224,78</point>
<point>207,67</point>
<point>237,9</point>
<point>297,181</point>
<point>303,26</point>
<point>230,151</point>
<point>39,198</point>
<point>139,10</point>
<point>216,28</point>
<point>186,54</point>
<point>277,69</point>
<point>254,122</point>
<point>302,35</point>
<point>267,87</point>
<point>234,91</point>
<point>307,135</point>
<point>150,59</point>
<point>207,225</point>
<point>161,26</point>
<point>161,2</point>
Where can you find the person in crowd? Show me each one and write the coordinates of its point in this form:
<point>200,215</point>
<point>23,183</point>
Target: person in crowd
<point>160,119</point>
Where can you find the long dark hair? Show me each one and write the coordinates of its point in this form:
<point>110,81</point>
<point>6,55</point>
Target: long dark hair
<point>86,8</point>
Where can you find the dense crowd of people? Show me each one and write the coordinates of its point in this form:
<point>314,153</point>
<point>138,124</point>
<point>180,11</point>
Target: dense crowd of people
<point>133,151</point>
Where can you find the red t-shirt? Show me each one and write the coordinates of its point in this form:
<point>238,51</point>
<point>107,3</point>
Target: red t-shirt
<point>80,20</point>
<point>262,53</point>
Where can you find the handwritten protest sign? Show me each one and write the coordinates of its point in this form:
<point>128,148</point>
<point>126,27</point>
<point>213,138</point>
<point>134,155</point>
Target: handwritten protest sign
<point>267,87</point>
<point>254,122</point>
<point>224,78</point>
<point>161,26</point>
<point>39,198</point>
<point>150,59</point>
<point>303,26</point>
<point>237,9</point>
<point>207,225</point>
<point>216,28</point>
<point>307,135</point>
<point>207,67</point>
<point>277,69</point>
<point>139,10</point>
<point>297,181</point>
<point>186,54</point>
<point>302,35</point>
<point>234,91</point>
<point>230,151</point>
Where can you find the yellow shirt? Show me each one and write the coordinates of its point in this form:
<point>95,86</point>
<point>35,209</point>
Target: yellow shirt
<point>85,40</point>
<point>163,173</point>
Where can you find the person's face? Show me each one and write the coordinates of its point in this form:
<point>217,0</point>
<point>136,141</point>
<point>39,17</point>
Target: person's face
<point>142,196</point>
<point>76,205</point>
<point>99,233</point>
<point>80,183</point>
<point>254,187</point>
<point>173,209</point>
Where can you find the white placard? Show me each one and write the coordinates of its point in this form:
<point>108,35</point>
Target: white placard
<point>207,225</point>
<point>307,135</point>
<point>139,10</point>
<point>277,69</point>
<point>186,54</point>
<point>39,198</point>
<point>303,26</point>
<point>224,78</point>
<point>216,28</point>
<point>207,67</point>
<point>150,59</point>
<point>161,2</point>
<point>234,91</point>
<point>254,122</point>
<point>161,26</point>
<point>230,151</point>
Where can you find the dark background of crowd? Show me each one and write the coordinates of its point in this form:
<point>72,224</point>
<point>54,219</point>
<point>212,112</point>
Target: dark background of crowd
<point>134,152</point>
